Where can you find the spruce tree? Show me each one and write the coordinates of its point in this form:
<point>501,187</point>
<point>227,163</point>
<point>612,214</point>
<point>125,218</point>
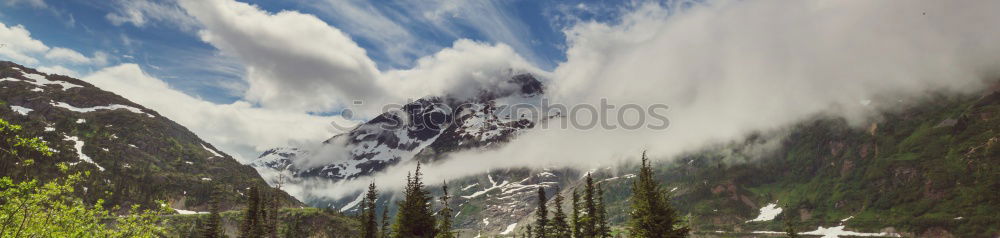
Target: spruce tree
<point>414,218</point>
<point>384,231</point>
<point>444,228</point>
<point>542,222</point>
<point>531,233</point>
<point>603,230</point>
<point>589,219</point>
<point>577,225</point>
<point>790,229</point>
<point>651,213</point>
<point>252,226</point>
<point>369,228</point>
<point>560,228</point>
<point>270,218</point>
<point>212,228</point>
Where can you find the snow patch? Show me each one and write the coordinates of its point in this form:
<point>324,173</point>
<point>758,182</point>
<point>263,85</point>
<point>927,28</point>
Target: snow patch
<point>510,228</point>
<point>93,109</point>
<point>353,203</point>
<point>49,128</point>
<point>187,212</point>
<point>214,153</point>
<point>767,213</point>
<point>469,187</point>
<point>21,110</point>
<point>78,145</point>
<point>41,81</point>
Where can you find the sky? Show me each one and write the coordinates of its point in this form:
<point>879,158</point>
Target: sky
<point>165,41</point>
<point>250,76</point>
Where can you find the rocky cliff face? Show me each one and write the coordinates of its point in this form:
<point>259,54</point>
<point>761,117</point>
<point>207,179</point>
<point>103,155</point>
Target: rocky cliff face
<point>134,154</point>
<point>425,128</point>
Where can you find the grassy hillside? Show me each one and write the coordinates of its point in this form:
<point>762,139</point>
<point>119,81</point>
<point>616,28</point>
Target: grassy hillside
<point>928,170</point>
<point>136,156</point>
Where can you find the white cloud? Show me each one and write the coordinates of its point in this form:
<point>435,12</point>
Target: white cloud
<point>730,68</point>
<point>60,54</point>
<point>20,47</point>
<point>58,70</point>
<point>18,44</point>
<point>140,13</point>
<point>293,60</point>
<point>237,127</point>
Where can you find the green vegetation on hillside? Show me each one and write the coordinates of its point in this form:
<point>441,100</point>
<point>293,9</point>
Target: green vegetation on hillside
<point>30,208</point>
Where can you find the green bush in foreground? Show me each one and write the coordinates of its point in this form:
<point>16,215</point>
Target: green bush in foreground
<point>33,209</point>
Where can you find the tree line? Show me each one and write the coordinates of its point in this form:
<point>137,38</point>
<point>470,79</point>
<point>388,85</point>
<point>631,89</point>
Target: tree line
<point>651,214</point>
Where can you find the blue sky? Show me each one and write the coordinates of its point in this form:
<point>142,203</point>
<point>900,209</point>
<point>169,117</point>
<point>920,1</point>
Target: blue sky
<point>156,35</point>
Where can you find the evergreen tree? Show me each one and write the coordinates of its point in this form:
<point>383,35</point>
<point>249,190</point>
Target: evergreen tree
<point>790,229</point>
<point>444,228</point>
<point>212,228</point>
<point>560,228</point>
<point>577,225</point>
<point>531,233</point>
<point>369,228</point>
<point>651,213</point>
<point>414,218</point>
<point>270,215</point>
<point>603,230</point>
<point>589,220</point>
<point>542,223</point>
<point>252,226</point>
<point>385,223</point>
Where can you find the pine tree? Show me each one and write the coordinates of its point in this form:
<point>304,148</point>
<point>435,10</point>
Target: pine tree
<point>252,226</point>
<point>560,228</point>
<point>603,230</point>
<point>369,228</point>
<point>212,228</point>
<point>531,233</point>
<point>577,225</point>
<point>652,215</point>
<point>542,223</point>
<point>589,219</point>
<point>270,217</point>
<point>414,218</point>
<point>790,229</point>
<point>444,228</point>
<point>384,231</point>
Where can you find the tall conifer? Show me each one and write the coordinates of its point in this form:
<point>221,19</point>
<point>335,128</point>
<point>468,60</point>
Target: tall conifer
<point>651,213</point>
<point>414,218</point>
<point>542,214</point>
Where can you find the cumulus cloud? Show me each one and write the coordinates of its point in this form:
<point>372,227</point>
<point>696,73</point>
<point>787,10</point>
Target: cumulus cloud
<point>237,127</point>
<point>60,54</point>
<point>18,44</point>
<point>293,60</point>
<point>730,68</point>
<point>297,62</point>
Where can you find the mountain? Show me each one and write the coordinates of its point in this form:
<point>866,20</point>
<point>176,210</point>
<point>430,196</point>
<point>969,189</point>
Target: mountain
<point>424,128</point>
<point>133,153</point>
<point>929,169</point>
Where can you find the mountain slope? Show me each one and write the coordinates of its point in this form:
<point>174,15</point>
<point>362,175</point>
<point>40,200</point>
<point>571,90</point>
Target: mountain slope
<point>132,152</point>
<point>423,128</point>
<point>930,170</point>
